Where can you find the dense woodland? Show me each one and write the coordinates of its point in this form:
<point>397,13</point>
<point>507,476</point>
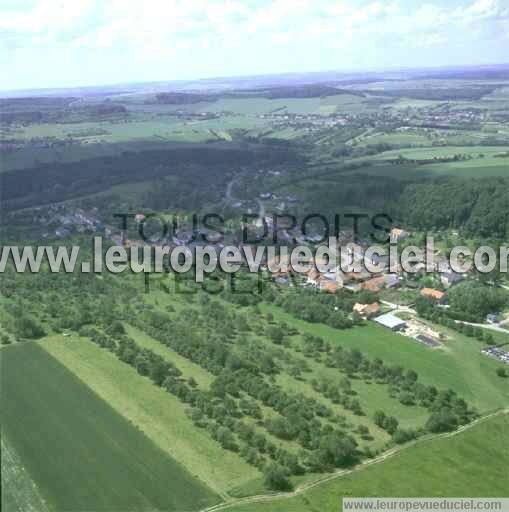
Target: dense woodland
<point>192,164</point>
<point>476,207</point>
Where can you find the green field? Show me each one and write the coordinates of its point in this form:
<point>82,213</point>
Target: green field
<point>470,464</point>
<point>158,414</point>
<point>303,106</point>
<point>487,165</point>
<point>81,453</point>
<point>403,138</point>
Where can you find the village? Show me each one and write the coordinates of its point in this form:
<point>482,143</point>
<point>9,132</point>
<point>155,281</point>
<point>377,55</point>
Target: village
<point>394,290</point>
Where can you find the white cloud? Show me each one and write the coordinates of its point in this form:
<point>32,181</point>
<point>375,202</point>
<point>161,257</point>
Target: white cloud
<point>204,33</point>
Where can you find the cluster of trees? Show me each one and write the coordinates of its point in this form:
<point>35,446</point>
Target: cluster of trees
<point>299,417</point>
<point>330,309</point>
<point>404,386</point>
<point>473,300</point>
<point>341,393</point>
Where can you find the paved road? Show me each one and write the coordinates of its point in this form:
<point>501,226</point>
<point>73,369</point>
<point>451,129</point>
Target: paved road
<point>492,327</point>
<point>398,307</point>
<point>229,197</point>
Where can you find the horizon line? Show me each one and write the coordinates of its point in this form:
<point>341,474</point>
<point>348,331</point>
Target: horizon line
<point>394,69</point>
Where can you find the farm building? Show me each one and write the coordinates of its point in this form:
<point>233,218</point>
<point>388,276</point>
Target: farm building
<point>391,321</point>
<point>398,234</point>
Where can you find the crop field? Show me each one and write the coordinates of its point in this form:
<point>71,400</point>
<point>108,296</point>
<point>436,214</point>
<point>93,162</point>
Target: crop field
<point>403,138</point>
<point>445,152</point>
<point>473,168</point>
<point>158,414</point>
<point>481,160</point>
<point>447,467</point>
<point>70,440</point>
<point>19,492</point>
<point>303,106</point>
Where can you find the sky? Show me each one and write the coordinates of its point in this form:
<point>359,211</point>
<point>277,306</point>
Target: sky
<point>56,43</point>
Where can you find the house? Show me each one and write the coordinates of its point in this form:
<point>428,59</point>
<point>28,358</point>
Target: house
<point>450,278</point>
<point>375,284</point>
<point>431,293</point>
<point>313,277</point>
<point>492,318</point>
<point>328,286</point>
<point>391,280</point>
<point>391,321</point>
<point>398,234</point>
<point>367,310</point>
<point>62,232</point>
<point>282,280</point>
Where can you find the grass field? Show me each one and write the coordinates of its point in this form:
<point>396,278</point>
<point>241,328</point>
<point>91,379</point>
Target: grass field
<point>80,451</point>
<point>158,414</point>
<point>488,165</point>
<point>403,138</point>
<point>470,464</point>
<point>319,106</point>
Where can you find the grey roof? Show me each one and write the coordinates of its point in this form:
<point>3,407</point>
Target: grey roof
<point>389,320</point>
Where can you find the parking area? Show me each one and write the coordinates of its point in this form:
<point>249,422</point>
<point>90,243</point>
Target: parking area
<point>497,353</point>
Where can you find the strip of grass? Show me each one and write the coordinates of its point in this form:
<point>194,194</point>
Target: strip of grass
<point>470,464</point>
<point>158,414</point>
<point>80,451</point>
<point>187,367</point>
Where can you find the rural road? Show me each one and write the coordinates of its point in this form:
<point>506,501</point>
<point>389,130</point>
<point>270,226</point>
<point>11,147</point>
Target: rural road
<point>338,474</point>
<point>403,309</point>
<point>229,197</point>
<point>493,327</point>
